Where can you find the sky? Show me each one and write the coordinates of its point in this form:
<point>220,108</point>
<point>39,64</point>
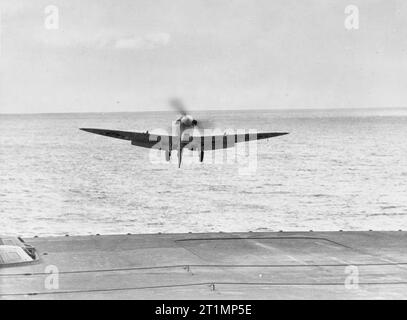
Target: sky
<point>134,55</point>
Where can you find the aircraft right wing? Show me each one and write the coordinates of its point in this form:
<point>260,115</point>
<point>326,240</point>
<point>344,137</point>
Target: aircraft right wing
<point>140,139</point>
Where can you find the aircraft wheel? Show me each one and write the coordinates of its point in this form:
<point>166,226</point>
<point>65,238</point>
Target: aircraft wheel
<point>167,155</point>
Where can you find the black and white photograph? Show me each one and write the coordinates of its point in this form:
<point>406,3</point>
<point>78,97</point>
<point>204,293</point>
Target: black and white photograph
<point>203,150</point>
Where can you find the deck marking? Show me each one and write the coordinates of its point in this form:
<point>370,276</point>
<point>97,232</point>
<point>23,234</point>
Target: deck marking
<point>297,260</point>
<point>328,245</point>
<point>270,248</point>
<point>340,260</point>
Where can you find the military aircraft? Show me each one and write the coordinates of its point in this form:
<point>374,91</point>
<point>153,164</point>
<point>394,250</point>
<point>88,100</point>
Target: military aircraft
<point>183,136</point>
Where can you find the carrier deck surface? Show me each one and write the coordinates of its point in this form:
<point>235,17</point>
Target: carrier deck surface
<point>282,265</point>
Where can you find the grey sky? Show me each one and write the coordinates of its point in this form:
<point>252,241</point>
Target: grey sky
<point>132,55</point>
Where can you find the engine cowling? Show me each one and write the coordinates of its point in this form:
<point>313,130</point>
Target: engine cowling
<point>188,121</point>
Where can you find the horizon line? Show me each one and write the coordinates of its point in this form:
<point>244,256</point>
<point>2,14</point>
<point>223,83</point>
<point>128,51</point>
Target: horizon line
<point>203,110</point>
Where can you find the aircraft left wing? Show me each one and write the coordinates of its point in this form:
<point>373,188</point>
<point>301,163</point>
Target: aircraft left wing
<point>227,140</point>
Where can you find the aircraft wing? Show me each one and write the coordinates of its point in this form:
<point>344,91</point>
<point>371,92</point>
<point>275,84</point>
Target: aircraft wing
<point>165,142</point>
<point>124,135</point>
<point>140,139</point>
<point>227,140</point>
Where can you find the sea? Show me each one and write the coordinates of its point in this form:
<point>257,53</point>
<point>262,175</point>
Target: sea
<point>337,169</point>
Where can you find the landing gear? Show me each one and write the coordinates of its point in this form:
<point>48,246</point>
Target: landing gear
<point>167,155</point>
<point>201,156</point>
<point>179,157</point>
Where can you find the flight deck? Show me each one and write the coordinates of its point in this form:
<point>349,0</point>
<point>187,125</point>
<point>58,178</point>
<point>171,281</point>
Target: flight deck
<point>269,265</point>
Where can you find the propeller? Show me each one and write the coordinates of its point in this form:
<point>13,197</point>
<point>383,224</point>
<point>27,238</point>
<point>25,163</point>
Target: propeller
<point>178,105</point>
<point>205,124</point>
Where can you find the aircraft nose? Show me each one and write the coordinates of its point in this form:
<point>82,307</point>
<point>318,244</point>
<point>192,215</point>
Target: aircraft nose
<point>187,120</point>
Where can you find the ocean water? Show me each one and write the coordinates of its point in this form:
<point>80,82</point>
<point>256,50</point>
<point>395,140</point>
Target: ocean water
<point>337,169</point>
